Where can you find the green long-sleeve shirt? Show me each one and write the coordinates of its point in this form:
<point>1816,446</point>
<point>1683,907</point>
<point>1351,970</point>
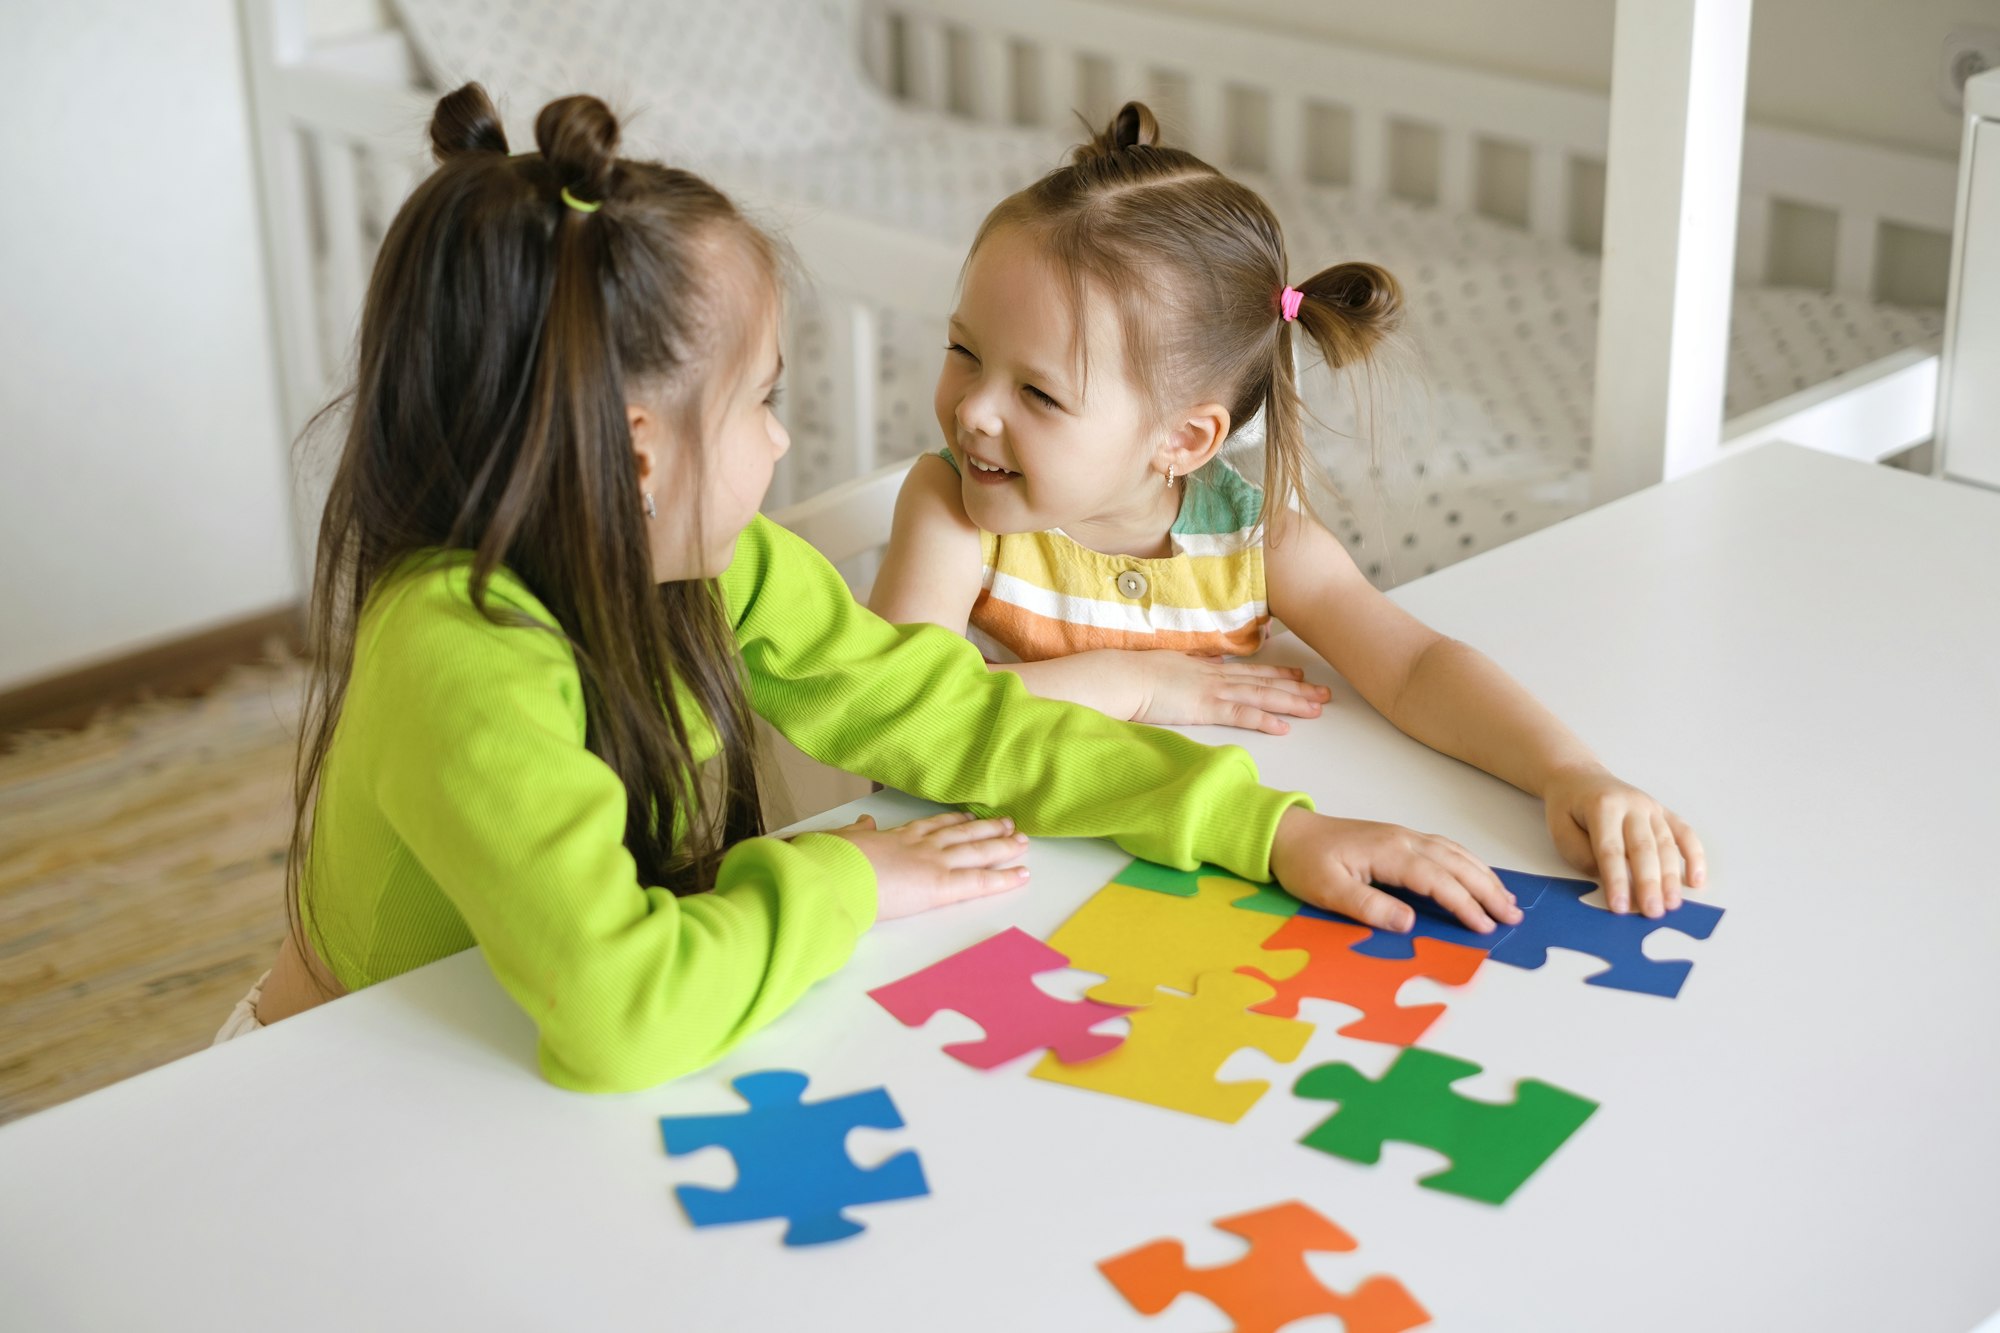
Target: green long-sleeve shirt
<point>459,805</point>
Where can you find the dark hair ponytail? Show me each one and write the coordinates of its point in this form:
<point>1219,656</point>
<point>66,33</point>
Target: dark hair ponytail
<point>517,304</point>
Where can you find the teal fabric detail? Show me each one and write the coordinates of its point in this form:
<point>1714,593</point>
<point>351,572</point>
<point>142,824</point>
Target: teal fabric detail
<point>1219,499</point>
<point>948,457</point>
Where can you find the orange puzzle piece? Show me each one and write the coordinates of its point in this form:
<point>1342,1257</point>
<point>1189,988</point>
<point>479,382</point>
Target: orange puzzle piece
<point>1270,1286</point>
<point>1335,972</point>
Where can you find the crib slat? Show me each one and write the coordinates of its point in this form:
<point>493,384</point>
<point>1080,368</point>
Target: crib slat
<point>1548,192</point>
<point>876,57</point>
<point>1371,152</point>
<point>1854,255</point>
<point>1287,141</point>
<point>1455,169</point>
<point>1058,91</point>
<point>927,61</point>
<point>1206,133</point>
<point>1753,239</point>
<point>992,92</point>
<point>854,366</point>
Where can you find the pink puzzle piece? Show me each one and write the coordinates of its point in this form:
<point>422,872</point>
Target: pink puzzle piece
<point>992,983</point>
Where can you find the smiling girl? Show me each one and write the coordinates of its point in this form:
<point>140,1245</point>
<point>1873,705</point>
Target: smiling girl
<point>1118,319</point>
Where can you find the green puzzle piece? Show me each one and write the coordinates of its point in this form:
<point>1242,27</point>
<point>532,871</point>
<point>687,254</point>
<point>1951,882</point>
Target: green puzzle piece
<point>1268,899</point>
<point>1494,1147</point>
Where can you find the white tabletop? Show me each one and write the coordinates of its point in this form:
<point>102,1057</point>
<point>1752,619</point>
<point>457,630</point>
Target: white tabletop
<point>1799,653</point>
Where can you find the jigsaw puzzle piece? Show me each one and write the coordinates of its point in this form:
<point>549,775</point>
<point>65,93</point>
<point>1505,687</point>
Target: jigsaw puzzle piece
<point>1269,1287</point>
<point>1336,972</point>
<point>1561,919</point>
<point>791,1158</point>
<point>1150,939</point>
<point>1493,1147</point>
<point>1178,1042</point>
<point>992,983</point>
<point>1435,923</point>
<point>1266,898</point>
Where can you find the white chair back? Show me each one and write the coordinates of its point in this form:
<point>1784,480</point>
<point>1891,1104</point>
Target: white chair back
<point>849,523</point>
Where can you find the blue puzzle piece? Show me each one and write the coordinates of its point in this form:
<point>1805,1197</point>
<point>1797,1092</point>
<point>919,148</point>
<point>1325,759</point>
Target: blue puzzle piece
<point>791,1158</point>
<point>1561,919</point>
<point>1434,922</point>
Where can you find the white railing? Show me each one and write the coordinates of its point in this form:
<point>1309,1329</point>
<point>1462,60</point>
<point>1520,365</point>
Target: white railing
<point>339,131</point>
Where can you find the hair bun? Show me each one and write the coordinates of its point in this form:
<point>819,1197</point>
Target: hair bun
<point>1133,127</point>
<point>466,122</point>
<point>1365,293</point>
<point>1364,300</point>
<point>578,136</point>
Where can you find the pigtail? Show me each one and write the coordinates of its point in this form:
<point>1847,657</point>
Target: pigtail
<point>1348,312</point>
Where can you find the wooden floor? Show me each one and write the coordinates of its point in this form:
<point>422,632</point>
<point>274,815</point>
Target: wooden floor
<point>141,872</point>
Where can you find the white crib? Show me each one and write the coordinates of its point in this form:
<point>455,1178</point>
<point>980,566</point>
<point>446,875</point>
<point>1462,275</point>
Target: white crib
<point>339,128</point>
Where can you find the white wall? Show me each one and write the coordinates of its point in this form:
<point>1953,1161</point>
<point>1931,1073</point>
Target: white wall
<point>143,477</point>
<point>1855,69</point>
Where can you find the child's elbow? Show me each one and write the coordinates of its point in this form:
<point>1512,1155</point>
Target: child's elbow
<point>614,1063</point>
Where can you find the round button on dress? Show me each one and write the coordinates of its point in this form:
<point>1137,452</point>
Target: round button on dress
<point>1133,584</point>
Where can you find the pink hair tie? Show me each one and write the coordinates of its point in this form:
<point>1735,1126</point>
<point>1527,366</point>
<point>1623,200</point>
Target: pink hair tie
<point>1288,303</point>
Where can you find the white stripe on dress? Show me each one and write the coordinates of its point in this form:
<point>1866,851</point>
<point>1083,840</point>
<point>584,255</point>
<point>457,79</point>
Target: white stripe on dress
<point>1127,616</point>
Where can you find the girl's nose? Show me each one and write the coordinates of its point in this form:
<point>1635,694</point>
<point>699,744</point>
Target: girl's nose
<point>976,414</point>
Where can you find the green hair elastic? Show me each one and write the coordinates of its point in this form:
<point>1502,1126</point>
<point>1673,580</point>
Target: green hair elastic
<point>578,204</point>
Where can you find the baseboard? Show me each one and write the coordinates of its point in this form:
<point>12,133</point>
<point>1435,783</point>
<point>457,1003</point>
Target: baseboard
<point>177,668</point>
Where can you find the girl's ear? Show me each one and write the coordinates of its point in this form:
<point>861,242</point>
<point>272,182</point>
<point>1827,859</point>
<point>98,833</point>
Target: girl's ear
<point>1194,439</point>
<point>649,442</point>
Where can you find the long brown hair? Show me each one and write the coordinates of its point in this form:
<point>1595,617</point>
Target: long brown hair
<point>505,330</point>
<point>1196,263</point>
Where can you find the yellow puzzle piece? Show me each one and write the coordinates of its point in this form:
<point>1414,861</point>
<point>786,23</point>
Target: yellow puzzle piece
<point>1154,939</point>
<point>1178,1042</point>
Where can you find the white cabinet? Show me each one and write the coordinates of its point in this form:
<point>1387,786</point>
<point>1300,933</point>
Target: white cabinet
<point>1969,388</point>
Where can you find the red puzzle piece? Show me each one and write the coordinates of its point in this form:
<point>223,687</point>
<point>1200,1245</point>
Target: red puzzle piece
<point>1271,1286</point>
<point>1336,972</point>
<point>992,983</point>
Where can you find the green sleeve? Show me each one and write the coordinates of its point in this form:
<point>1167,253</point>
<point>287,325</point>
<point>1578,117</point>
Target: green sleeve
<point>915,707</point>
<point>485,778</point>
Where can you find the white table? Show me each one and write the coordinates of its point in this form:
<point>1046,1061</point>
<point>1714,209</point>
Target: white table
<point>1788,648</point>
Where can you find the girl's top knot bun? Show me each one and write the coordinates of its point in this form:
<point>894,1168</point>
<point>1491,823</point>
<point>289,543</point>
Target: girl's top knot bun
<point>465,122</point>
<point>578,137</point>
<point>1133,127</point>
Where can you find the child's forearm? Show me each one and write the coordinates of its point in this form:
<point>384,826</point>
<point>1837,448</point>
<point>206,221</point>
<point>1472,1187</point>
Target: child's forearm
<point>1460,703</point>
<point>1083,678</point>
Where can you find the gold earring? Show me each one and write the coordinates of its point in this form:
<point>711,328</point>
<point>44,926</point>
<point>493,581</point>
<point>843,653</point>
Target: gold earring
<point>1170,476</point>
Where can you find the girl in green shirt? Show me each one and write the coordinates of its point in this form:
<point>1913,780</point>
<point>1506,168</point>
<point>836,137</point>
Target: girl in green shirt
<point>545,609</point>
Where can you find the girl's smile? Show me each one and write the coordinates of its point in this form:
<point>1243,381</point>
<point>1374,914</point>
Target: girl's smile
<point>982,473</point>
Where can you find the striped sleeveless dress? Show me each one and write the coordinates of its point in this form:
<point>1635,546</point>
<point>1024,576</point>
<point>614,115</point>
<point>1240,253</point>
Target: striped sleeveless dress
<point>1043,595</point>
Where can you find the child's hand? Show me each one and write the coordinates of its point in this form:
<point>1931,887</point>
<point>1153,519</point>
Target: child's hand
<point>1332,863</point>
<point>937,860</point>
<point>1181,688</point>
<point>1615,833</point>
